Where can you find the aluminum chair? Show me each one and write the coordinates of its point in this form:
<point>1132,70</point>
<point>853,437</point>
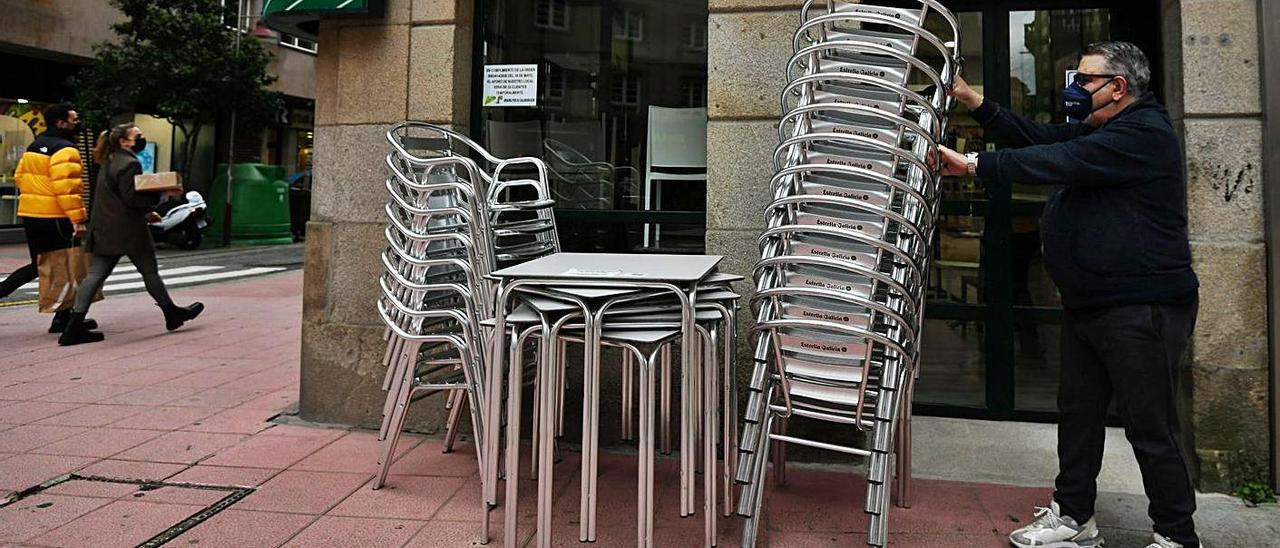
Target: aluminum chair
<point>840,284</point>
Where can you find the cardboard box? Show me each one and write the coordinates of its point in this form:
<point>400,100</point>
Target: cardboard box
<point>157,182</point>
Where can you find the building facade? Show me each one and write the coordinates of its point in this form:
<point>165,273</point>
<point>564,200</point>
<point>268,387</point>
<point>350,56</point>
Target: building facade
<point>991,337</point>
<point>44,44</point>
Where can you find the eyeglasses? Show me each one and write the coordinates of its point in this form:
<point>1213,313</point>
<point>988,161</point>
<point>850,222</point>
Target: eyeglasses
<point>1081,78</point>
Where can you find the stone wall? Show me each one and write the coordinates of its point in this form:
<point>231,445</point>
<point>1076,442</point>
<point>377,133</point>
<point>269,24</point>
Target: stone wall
<point>1215,77</point>
<point>66,27</point>
<point>414,63</point>
<point>295,69</point>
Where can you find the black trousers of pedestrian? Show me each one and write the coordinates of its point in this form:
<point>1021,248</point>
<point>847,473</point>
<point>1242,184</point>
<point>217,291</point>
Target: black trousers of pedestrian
<point>43,235</point>
<point>1134,355</point>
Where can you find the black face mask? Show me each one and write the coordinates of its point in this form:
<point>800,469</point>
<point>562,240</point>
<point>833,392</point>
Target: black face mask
<point>140,144</point>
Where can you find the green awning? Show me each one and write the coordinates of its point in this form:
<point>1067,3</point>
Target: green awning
<point>302,17</point>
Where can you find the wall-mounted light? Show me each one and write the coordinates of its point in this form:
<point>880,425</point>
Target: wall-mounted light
<point>23,101</point>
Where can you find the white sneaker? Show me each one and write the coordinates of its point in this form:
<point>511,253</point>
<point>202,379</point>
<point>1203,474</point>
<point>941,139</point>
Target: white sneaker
<point>1162,542</point>
<point>1051,529</point>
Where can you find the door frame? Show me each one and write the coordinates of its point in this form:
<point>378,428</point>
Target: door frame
<point>1269,40</point>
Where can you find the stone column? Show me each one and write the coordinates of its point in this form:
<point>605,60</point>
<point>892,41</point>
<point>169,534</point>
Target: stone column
<point>749,43</point>
<point>413,63</point>
<point>1216,102</point>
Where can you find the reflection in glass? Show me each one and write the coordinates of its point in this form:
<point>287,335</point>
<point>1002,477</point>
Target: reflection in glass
<point>957,264</point>
<point>601,66</point>
<point>953,370</point>
<point>1043,46</point>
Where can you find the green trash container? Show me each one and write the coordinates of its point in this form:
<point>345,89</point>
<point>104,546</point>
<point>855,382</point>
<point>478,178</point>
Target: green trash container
<point>259,205</point>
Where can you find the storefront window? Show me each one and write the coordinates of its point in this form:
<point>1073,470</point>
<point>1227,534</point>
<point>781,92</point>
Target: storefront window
<point>17,120</point>
<point>614,79</point>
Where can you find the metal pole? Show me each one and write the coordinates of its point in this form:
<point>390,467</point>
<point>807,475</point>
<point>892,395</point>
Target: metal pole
<point>241,18</point>
<point>1269,42</point>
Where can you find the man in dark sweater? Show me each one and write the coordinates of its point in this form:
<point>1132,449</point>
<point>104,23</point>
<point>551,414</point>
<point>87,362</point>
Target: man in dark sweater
<point>1115,243</point>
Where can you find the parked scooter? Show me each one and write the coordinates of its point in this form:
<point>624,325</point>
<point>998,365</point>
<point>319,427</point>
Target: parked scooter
<point>182,221</point>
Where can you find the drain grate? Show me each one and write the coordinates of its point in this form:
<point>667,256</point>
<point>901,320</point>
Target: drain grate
<point>234,495</point>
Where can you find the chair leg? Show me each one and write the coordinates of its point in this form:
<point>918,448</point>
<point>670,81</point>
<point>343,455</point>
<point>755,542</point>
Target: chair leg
<point>547,397</point>
<point>515,387</point>
<point>751,525</point>
<point>627,375</point>
<point>562,357</point>
<point>710,369</point>
<point>403,396</point>
<point>590,405</point>
<point>455,417</point>
<point>666,399</point>
<point>903,442</point>
<point>780,455</point>
<point>730,405</point>
<point>646,451</point>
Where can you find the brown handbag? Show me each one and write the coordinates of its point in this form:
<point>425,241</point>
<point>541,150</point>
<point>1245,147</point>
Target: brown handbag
<point>61,272</point>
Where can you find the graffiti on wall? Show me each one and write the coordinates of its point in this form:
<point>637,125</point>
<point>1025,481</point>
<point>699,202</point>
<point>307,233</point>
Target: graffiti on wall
<point>28,113</point>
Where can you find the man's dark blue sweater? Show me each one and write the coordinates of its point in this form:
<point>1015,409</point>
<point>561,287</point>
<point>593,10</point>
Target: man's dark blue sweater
<point>1116,233</point>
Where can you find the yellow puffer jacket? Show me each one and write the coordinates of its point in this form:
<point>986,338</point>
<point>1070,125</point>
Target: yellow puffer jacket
<point>49,183</point>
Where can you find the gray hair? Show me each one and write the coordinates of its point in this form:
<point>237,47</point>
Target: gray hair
<point>1124,59</point>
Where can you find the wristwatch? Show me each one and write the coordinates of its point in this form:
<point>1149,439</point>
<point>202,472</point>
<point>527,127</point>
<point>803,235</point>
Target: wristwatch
<point>971,161</point>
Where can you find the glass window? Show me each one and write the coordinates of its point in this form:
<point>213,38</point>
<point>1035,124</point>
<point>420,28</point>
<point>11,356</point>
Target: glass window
<point>614,77</point>
<point>954,369</point>
<point>695,36</point>
<point>15,136</point>
<point>1043,46</point>
<point>303,44</point>
<point>628,24</point>
<point>552,14</point>
<point>626,90</point>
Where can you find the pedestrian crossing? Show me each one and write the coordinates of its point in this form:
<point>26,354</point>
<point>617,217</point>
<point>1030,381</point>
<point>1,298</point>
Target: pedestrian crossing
<point>126,278</point>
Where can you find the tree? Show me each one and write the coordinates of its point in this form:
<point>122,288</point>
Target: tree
<point>177,59</point>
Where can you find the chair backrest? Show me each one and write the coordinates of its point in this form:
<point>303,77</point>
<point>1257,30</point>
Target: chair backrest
<point>677,137</point>
<point>514,139</point>
<point>586,137</point>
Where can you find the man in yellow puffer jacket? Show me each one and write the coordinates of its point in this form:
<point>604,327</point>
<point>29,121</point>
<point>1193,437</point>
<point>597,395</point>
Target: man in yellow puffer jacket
<point>49,197</point>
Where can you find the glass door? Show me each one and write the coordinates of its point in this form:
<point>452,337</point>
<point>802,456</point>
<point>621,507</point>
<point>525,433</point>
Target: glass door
<point>990,347</point>
<point>611,73</point>
<point>1043,46</point>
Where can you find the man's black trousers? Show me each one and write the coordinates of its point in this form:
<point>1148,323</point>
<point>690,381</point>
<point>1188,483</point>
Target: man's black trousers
<point>1132,354</point>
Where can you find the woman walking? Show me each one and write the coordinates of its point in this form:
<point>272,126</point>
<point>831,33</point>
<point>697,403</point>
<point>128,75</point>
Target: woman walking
<point>119,228</point>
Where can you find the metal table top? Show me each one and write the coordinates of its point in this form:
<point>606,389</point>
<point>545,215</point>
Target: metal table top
<point>615,266</point>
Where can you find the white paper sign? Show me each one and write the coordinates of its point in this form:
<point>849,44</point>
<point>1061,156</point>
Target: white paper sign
<point>510,86</point>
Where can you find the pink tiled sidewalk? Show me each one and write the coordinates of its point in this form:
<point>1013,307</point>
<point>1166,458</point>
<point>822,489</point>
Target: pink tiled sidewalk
<point>193,407</point>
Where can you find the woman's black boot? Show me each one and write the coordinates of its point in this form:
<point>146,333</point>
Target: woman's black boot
<point>60,319</point>
<point>175,316</point>
<point>77,333</point>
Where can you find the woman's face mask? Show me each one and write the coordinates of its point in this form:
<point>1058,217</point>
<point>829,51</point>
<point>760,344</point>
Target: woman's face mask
<point>139,144</point>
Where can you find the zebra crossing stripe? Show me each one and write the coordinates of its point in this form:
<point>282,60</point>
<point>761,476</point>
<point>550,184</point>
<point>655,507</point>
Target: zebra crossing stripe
<point>187,280</point>
<point>128,272</point>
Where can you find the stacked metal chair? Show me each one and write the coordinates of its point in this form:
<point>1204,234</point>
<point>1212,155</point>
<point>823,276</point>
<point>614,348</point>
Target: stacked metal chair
<point>840,284</point>
<point>456,214</point>
<point>452,220</point>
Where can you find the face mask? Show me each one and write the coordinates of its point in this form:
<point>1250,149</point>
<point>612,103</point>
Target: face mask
<point>140,144</point>
<point>1077,102</point>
